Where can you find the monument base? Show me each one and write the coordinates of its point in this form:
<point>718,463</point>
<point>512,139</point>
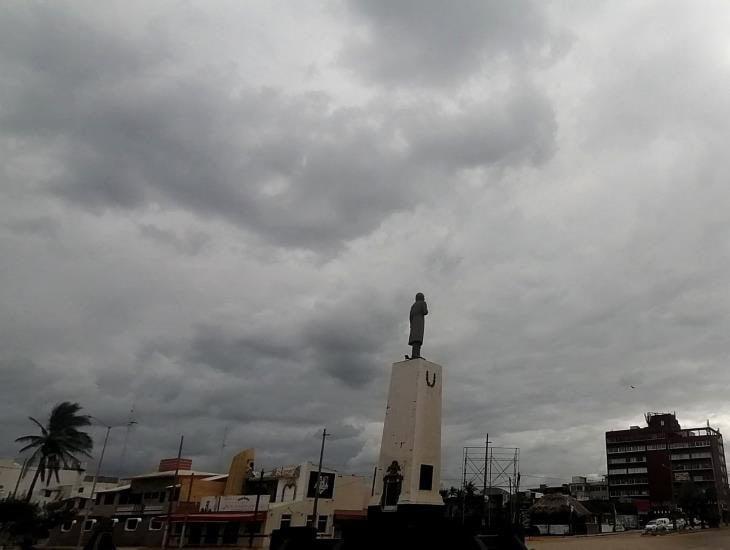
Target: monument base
<point>409,468</point>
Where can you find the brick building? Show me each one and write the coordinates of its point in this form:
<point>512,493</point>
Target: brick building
<point>649,464</point>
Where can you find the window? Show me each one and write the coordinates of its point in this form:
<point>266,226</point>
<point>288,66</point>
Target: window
<point>131,524</point>
<point>66,526</point>
<point>81,489</point>
<point>82,504</point>
<point>230,533</point>
<point>285,521</point>
<point>124,497</point>
<point>425,480</point>
<point>89,525</point>
<point>155,524</point>
<point>310,521</point>
<point>109,498</point>
<point>322,524</point>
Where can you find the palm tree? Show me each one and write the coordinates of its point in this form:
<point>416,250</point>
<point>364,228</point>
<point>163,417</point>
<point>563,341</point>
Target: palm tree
<point>60,443</point>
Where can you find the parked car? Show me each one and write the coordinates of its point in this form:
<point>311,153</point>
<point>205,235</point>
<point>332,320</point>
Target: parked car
<point>659,525</point>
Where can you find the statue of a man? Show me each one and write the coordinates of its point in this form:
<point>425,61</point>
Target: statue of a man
<point>419,310</point>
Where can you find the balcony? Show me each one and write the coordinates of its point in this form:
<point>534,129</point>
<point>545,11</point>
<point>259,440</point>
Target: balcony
<point>129,508</point>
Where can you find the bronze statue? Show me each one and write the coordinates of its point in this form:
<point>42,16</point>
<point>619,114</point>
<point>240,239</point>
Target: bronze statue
<point>419,310</point>
<point>392,484</point>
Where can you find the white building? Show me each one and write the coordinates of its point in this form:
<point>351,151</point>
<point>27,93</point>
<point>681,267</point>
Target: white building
<point>70,483</point>
<point>294,502</point>
<point>287,498</point>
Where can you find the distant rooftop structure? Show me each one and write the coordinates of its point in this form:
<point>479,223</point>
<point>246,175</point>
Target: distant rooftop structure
<point>171,464</point>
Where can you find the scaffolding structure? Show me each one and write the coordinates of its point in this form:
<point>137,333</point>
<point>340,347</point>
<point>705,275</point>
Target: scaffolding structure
<point>487,468</point>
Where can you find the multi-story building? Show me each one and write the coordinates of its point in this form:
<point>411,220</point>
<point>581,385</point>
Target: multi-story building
<point>648,465</point>
<point>582,488</point>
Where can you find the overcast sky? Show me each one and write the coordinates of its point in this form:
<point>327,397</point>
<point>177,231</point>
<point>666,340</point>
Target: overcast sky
<point>219,212</point>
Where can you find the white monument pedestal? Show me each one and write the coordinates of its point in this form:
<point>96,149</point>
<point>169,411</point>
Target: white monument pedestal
<point>411,438</point>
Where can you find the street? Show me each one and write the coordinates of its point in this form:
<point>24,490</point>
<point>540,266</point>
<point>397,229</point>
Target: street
<point>711,539</point>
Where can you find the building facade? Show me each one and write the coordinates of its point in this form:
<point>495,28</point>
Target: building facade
<point>70,483</point>
<point>583,488</point>
<point>239,508</point>
<point>649,464</point>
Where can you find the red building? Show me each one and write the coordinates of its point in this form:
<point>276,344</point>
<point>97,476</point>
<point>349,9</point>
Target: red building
<point>648,465</point>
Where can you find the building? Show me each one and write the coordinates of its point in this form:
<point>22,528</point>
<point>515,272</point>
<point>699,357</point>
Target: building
<point>582,488</point>
<point>70,483</point>
<point>140,506</point>
<point>284,497</point>
<point>648,465</point>
<point>211,509</point>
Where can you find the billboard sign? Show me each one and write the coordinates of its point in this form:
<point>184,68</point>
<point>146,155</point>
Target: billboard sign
<point>326,485</point>
<point>234,503</point>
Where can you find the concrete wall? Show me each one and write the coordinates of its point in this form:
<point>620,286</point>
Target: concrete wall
<point>201,488</point>
<point>241,465</point>
<point>142,536</point>
<point>351,492</point>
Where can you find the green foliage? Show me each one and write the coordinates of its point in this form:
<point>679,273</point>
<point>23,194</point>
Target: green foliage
<point>60,443</point>
<point>22,521</point>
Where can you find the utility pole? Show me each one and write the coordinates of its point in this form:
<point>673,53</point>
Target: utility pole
<point>20,476</point>
<point>130,422</point>
<point>463,487</point>
<point>256,508</point>
<point>93,488</point>
<point>319,475</point>
<point>486,454</point>
<point>168,525</point>
<point>489,508</point>
<point>487,497</point>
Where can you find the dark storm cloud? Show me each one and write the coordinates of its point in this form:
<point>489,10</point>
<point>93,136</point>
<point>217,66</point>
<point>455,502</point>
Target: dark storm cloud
<point>293,169</point>
<point>438,43</point>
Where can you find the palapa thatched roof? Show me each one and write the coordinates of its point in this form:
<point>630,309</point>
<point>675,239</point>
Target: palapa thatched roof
<point>559,504</point>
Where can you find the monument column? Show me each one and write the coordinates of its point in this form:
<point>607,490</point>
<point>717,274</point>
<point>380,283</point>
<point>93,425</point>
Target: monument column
<point>409,468</point>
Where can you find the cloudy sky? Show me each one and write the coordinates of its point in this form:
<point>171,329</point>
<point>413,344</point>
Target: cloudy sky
<point>219,213</point>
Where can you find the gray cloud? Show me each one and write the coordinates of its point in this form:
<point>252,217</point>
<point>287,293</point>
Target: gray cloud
<point>231,240</point>
<point>293,169</point>
<point>434,43</point>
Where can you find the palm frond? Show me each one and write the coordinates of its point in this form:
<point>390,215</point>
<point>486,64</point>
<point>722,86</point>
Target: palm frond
<point>44,431</point>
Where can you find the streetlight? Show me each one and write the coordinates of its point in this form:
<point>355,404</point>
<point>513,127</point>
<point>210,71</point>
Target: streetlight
<point>87,509</point>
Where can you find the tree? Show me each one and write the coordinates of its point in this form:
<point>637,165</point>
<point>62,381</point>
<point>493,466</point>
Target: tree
<point>59,445</point>
<point>23,522</point>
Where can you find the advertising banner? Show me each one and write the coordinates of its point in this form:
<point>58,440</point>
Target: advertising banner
<point>234,503</point>
<point>326,485</point>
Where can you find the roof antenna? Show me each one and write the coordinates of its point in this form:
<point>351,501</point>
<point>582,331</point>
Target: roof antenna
<point>130,422</point>
<point>223,448</point>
